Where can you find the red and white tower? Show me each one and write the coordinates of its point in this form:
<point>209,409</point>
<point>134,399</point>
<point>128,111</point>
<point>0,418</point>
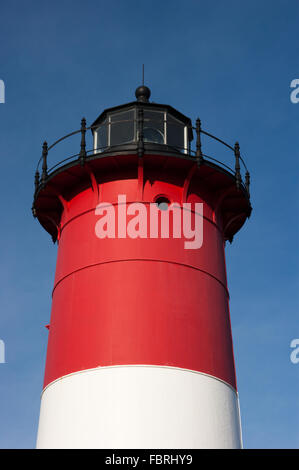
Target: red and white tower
<point>140,349</point>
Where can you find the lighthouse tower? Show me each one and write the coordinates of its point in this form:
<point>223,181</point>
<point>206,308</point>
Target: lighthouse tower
<point>140,348</point>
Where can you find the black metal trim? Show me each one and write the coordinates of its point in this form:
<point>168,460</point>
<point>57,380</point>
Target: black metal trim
<point>139,147</point>
<point>149,149</point>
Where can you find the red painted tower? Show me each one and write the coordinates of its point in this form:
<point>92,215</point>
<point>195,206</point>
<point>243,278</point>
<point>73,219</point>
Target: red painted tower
<point>140,349</point>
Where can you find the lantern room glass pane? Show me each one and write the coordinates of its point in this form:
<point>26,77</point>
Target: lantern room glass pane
<point>102,136</point>
<point>175,133</point>
<point>122,128</point>
<point>153,127</point>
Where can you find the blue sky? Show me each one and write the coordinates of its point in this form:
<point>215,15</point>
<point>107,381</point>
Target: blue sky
<point>231,63</point>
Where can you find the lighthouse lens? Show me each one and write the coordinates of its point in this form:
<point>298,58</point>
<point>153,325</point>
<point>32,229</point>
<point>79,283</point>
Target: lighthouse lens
<point>153,130</point>
<point>153,135</point>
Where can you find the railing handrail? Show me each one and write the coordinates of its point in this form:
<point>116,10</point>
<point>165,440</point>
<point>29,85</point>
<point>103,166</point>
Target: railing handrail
<point>139,143</point>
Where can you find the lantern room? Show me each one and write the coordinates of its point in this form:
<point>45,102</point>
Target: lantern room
<point>161,125</point>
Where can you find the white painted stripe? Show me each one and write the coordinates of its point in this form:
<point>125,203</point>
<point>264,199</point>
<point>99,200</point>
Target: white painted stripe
<point>139,407</point>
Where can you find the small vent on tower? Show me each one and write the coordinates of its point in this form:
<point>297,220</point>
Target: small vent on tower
<point>162,202</point>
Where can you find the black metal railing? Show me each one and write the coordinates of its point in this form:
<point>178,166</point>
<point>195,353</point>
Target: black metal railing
<point>43,172</point>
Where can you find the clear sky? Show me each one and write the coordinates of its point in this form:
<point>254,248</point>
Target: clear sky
<point>230,63</point>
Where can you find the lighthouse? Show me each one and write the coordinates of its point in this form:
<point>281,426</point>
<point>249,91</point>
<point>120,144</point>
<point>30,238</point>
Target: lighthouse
<point>140,351</point>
